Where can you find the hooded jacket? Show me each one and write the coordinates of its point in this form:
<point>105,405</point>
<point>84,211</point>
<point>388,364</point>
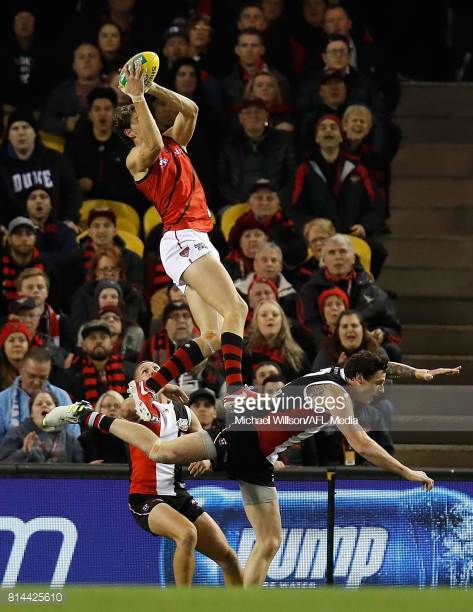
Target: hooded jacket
<point>44,167</point>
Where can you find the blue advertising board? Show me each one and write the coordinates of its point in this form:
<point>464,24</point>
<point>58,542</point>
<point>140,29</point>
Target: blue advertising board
<point>69,531</point>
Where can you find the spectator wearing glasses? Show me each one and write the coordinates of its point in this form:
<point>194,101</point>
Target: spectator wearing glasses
<point>106,265</point>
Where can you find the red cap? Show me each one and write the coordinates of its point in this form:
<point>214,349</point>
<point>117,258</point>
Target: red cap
<point>330,116</point>
<point>101,212</point>
<point>333,291</point>
<point>13,327</point>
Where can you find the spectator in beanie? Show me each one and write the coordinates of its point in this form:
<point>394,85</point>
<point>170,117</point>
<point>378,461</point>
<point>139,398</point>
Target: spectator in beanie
<point>332,302</point>
<point>127,337</point>
<point>15,338</point>
<point>26,162</point>
<point>246,238</point>
<point>260,289</point>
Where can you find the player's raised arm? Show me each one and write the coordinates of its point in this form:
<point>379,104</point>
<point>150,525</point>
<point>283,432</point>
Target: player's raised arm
<point>147,138</point>
<point>359,440</point>
<point>184,124</point>
<point>402,371</point>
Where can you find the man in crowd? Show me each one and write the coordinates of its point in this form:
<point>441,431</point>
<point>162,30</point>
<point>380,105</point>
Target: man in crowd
<point>20,253</point>
<point>98,369</point>
<point>34,377</point>
<point>330,186</point>
<point>256,150</point>
<point>67,103</point>
<point>25,162</point>
<point>202,402</point>
<point>98,154</point>
<point>373,304</point>
<point>102,224</point>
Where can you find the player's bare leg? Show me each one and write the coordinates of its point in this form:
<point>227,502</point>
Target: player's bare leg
<point>207,320</point>
<point>165,521</point>
<point>212,292</point>
<point>211,281</point>
<point>266,522</point>
<point>212,542</point>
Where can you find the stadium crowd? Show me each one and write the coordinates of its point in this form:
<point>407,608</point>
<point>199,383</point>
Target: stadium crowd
<point>293,145</point>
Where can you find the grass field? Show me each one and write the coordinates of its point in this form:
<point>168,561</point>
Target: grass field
<point>137,599</point>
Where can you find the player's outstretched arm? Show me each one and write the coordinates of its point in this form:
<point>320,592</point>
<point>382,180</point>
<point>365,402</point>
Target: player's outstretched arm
<point>150,144</point>
<point>402,371</point>
<point>184,124</point>
<point>360,441</point>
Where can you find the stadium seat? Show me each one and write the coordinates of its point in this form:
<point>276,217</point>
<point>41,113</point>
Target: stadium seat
<point>52,141</point>
<point>150,220</point>
<point>230,215</point>
<point>131,241</point>
<point>363,251</point>
<point>121,209</point>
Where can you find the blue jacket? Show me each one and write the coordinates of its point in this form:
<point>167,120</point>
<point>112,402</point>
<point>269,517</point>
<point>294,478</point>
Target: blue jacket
<point>14,393</point>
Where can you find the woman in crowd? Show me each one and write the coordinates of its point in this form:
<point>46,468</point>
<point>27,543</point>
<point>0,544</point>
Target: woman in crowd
<point>350,336</point>
<point>106,265</point>
<point>29,442</point>
<point>246,238</point>
<point>15,338</point>
<point>332,302</point>
<point>111,46</point>
<point>264,85</point>
<point>127,337</point>
<point>270,338</point>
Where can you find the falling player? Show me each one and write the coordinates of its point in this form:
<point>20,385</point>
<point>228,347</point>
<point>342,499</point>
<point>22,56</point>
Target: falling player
<point>249,455</point>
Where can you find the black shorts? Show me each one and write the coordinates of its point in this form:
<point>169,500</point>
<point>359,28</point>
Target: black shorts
<point>141,505</point>
<point>239,454</point>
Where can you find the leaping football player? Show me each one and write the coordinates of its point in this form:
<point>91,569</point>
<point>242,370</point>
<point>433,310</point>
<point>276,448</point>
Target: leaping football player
<point>163,172</point>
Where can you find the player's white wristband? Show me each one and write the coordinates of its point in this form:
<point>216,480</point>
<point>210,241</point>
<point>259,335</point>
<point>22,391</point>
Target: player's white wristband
<point>139,98</point>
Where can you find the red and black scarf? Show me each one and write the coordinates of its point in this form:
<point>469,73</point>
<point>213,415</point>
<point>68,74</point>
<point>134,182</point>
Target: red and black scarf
<point>93,383</point>
<point>10,271</point>
<point>158,348</point>
<point>345,282</point>
<point>88,251</point>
